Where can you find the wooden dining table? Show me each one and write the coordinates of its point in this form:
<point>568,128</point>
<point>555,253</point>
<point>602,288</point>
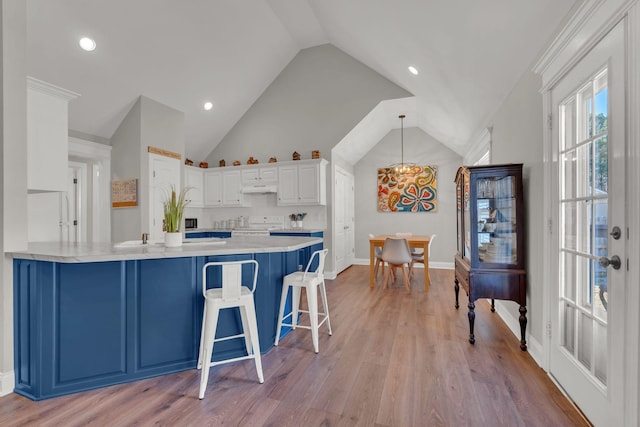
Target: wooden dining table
<point>414,242</point>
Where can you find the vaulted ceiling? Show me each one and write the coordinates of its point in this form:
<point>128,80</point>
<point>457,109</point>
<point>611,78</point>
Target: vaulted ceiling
<point>469,55</point>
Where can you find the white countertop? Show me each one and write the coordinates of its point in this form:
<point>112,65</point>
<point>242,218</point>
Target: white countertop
<point>96,252</point>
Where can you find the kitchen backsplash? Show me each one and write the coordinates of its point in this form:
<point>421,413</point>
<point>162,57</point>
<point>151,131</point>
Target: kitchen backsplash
<point>261,204</point>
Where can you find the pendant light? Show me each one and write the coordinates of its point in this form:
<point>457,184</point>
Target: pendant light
<point>402,167</point>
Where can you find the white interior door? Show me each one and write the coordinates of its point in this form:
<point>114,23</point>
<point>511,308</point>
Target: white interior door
<point>344,211</point>
<point>73,205</point>
<point>587,300</point>
<point>164,172</point>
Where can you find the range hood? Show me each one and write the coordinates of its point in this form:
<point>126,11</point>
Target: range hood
<point>259,188</point>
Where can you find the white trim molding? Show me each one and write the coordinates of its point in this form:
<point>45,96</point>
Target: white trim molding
<point>88,149</point>
<point>632,356</point>
<point>534,348</point>
<point>480,145</point>
<point>48,88</point>
<point>590,23</point>
<point>7,382</point>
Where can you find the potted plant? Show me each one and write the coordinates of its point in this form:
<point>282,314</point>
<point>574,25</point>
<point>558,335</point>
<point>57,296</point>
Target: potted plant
<point>174,206</point>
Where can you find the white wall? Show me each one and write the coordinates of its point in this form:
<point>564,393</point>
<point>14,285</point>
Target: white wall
<point>148,123</point>
<point>13,164</point>
<point>316,100</point>
<point>422,149</point>
<point>517,138</point>
<point>126,223</point>
<point>162,127</point>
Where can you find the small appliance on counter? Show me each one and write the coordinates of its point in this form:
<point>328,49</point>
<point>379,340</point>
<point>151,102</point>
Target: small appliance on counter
<point>258,226</point>
<point>190,223</point>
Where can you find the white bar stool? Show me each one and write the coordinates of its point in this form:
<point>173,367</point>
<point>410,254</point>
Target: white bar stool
<point>311,281</point>
<point>231,294</point>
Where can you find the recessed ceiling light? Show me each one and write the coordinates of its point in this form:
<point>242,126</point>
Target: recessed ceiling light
<point>208,106</point>
<point>87,44</point>
<point>413,70</point>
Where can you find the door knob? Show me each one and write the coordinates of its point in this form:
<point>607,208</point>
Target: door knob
<point>614,262</point>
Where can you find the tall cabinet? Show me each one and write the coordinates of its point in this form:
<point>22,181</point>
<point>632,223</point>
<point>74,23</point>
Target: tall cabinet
<point>47,136</point>
<point>490,258</point>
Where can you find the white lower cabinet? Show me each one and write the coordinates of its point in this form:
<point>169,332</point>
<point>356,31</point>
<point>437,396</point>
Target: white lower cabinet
<point>194,180</point>
<point>303,183</point>
<point>212,188</point>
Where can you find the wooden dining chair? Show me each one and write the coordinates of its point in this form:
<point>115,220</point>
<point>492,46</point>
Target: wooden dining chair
<point>396,254</point>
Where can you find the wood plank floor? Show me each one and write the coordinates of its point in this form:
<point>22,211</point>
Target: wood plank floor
<point>395,359</point>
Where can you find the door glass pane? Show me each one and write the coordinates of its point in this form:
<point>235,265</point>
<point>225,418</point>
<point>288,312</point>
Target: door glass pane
<point>568,172</point>
<point>568,332</point>
<point>585,339</point>
<point>585,113</point>
<point>601,353</point>
<point>601,103</point>
<point>568,125</point>
<point>568,220</point>
<point>601,166</point>
<point>584,168</point>
<point>570,267</point>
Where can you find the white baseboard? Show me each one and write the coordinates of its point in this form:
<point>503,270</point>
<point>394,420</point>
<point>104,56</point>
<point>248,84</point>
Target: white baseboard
<point>7,382</point>
<point>513,323</point>
<point>432,264</point>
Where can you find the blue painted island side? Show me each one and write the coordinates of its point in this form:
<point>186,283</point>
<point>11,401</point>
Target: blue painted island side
<point>83,325</point>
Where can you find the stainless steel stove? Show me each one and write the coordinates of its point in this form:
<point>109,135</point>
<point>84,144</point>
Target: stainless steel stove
<point>259,226</point>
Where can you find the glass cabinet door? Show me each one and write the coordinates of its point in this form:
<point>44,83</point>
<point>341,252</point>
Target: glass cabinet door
<point>496,220</point>
<point>466,221</point>
<point>459,215</point>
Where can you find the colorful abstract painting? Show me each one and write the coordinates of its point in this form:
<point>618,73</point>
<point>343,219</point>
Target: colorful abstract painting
<point>412,191</point>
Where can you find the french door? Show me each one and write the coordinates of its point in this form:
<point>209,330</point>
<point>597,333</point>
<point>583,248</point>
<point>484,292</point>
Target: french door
<point>587,299</point>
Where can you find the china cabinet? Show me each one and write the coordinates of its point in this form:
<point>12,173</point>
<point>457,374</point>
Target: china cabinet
<point>490,258</point>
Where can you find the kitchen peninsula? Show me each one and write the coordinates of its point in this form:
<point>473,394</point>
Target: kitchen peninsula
<point>93,315</point>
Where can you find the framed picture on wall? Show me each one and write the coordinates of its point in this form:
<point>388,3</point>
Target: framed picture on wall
<point>414,190</point>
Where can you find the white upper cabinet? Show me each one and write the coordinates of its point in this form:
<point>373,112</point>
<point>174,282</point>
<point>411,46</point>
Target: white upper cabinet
<point>212,188</point>
<point>232,188</point>
<point>194,179</point>
<point>303,183</point>
<point>260,175</point>
<point>288,185</point>
<point>47,136</point>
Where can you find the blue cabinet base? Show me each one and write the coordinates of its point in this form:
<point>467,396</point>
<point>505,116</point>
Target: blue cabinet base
<point>80,326</point>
